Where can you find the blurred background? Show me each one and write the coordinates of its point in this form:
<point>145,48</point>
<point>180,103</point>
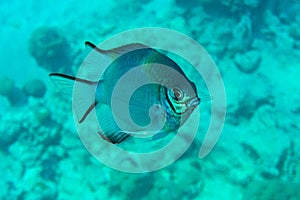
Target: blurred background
<point>256,46</point>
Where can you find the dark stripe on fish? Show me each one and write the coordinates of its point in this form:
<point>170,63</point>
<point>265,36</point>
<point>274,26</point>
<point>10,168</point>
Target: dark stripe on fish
<point>117,137</point>
<point>170,103</point>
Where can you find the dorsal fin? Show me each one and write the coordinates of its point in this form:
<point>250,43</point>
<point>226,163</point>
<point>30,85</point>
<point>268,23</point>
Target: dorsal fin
<point>118,50</point>
<point>98,59</point>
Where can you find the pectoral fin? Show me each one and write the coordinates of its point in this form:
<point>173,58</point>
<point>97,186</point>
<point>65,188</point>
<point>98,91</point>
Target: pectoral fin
<point>159,136</point>
<point>109,130</point>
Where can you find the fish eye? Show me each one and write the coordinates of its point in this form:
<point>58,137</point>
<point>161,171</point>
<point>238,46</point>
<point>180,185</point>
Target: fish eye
<point>177,94</point>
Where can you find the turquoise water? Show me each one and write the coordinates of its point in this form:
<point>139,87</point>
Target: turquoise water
<point>254,43</point>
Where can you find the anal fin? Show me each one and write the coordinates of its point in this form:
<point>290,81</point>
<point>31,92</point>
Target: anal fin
<point>115,138</point>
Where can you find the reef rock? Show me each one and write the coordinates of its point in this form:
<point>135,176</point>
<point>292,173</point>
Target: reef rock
<point>50,49</point>
<point>13,94</point>
<point>248,62</point>
<point>35,88</point>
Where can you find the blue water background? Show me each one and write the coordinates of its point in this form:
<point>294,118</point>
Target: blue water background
<point>256,46</point>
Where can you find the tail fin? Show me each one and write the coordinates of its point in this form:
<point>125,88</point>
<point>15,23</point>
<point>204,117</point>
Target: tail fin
<point>82,94</point>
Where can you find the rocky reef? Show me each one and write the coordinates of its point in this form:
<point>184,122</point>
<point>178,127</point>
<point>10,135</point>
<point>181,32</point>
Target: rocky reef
<point>8,89</point>
<point>35,88</point>
<point>51,49</point>
<point>256,46</point>
<point>19,97</point>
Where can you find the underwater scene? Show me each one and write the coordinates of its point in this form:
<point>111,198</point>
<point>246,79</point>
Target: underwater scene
<point>50,147</point>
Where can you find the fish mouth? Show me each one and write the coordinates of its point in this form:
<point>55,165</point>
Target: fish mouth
<point>194,102</point>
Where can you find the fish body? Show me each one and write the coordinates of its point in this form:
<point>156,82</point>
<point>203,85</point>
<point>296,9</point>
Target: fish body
<point>157,108</point>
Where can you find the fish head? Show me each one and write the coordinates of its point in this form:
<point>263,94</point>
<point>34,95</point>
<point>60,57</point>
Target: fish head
<point>183,99</point>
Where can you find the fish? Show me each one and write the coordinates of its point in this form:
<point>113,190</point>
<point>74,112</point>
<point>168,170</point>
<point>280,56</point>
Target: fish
<point>165,103</point>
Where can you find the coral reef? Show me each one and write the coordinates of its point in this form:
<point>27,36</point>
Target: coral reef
<point>22,130</point>
<point>35,88</point>
<point>9,136</point>
<point>272,190</point>
<point>248,62</point>
<point>256,46</point>
<point>17,96</point>
<point>174,184</point>
<point>8,89</point>
<point>131,186</point>
<point>50,49</point>
<point>247,107</point>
